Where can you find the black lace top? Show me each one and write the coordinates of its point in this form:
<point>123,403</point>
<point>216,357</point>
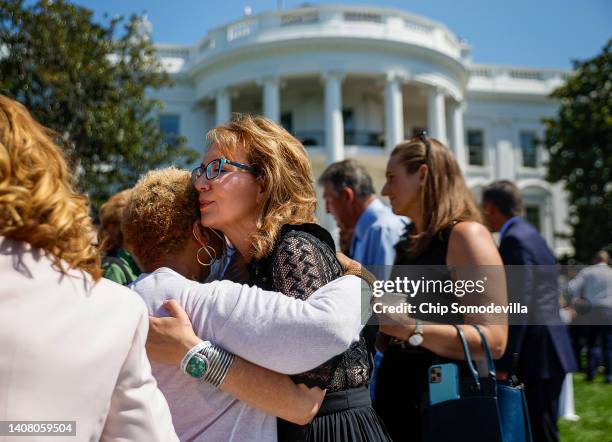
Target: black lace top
<point>302,261</point>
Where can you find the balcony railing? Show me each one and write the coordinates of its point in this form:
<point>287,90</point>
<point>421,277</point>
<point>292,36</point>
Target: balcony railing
<point>299,18</point>
<point>310,137</point>
<point>274,25</point>
<point>363,17</point>
<point>351,138</point>
<point>278,24</point>
<point>529,74</point>
<point>363,138</point>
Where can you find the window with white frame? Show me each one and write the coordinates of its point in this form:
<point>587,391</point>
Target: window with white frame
<point>474,140</point>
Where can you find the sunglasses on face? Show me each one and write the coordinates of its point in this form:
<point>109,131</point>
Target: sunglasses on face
<point>213,169</point>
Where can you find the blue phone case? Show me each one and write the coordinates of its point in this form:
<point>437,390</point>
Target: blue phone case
<point>443,383</point>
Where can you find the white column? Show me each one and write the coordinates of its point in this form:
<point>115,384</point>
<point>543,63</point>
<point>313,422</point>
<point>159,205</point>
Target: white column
<point>271,98</point>
<point>394,112</point>
<point>457,135</point>
<point>223,106</point>
<point>436,114</point>
<point>504,152</point>
<point>334,127</point>
<point>504,160</point>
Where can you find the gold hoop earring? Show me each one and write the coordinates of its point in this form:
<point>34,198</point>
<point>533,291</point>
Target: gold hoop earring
<point>205,248</point>
<point>209,249</point>
<point>195,231</point>
<point>222,238</point>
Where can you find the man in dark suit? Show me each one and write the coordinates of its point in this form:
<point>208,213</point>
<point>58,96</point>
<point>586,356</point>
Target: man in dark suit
<point>539,350</point>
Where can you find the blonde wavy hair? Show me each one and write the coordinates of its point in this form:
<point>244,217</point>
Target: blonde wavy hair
<point>110,213</point>
<point>38,203</point>
<point>445,198</point>
<point>159,215</point>
<point>289,194</point>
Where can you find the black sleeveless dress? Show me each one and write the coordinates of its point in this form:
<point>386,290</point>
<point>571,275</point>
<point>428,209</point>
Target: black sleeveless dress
<point>403,374</point>
<point>302,261</point>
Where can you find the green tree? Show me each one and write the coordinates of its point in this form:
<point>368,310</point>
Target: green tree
<point>579,140</point>
<point>88,81</point>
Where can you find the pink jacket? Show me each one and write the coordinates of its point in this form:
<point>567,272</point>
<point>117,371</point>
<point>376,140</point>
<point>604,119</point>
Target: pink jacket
<point>74,351</point>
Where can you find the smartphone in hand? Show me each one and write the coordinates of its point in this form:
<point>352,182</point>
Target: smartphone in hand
<point>443,383</point>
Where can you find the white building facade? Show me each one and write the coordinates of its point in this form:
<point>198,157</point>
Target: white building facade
<point>355,81</point>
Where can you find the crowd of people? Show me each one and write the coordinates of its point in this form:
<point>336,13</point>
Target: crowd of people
<point>254,325</point>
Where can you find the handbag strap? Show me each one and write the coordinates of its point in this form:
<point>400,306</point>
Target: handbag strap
<point>487,349</point>
<point>468,358</point>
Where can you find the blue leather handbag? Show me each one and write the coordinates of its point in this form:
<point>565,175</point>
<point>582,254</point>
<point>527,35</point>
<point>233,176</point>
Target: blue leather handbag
<point>473,417</point>
<point>511,401</point>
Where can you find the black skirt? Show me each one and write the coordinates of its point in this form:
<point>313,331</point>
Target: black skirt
<point>401,383</point>
<point>401,388</point>
<point>345,416</point>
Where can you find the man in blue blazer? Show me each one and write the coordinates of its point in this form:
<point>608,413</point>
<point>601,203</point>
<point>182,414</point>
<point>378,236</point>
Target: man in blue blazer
<point>539,350</point>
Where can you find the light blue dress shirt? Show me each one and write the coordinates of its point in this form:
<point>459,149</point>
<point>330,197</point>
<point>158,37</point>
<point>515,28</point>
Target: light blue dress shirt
<point>377,231</point>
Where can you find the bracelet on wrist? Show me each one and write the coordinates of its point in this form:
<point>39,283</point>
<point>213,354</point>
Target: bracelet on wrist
<point>189,355</point>
<point>207,362</point>
<point>220,363</point>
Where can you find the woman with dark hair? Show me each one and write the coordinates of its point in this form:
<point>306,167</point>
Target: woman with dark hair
<point>117,263</point>
<point>424,183</point>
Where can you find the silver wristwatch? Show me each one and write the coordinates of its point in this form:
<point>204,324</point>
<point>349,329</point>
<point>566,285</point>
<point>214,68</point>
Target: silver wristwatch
<point>416,338</point>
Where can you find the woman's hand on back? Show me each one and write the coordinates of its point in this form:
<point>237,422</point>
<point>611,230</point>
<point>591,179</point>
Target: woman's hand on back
<point>170,337</point>
<point>347,263</point>
<point>352,267</point>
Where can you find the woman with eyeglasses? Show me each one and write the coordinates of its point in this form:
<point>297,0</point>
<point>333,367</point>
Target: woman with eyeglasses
<point>448,241</point>
<point>214,395</point>
<point>255,186</point>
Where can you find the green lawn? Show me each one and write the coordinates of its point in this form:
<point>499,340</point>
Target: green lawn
<point>594,406</point>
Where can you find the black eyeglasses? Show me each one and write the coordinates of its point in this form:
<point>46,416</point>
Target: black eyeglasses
<point>425,140</point>
<point>213,169</point>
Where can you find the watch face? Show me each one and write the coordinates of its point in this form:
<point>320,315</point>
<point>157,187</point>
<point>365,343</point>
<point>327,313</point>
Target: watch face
<point>415,340</point>
<point>196,366</point>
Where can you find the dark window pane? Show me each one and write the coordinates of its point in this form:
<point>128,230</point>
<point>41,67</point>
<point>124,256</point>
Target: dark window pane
<point>348,118</point>
<point>287,121</point>
<point>475,144</point>
<point>169,125</point>
<point>363,138</point>
<point>348,121</point>
<point>528,148</point>
<point>310,137</point>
